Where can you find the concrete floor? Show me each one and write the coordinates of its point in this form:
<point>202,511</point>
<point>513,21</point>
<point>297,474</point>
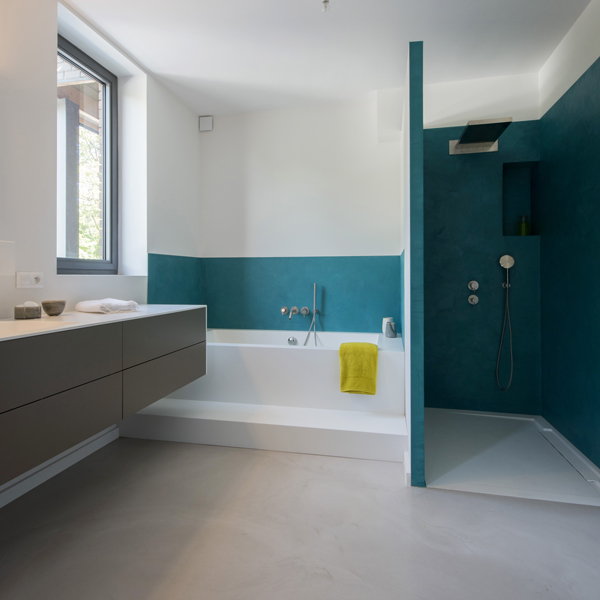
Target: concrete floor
<point>165,521</point>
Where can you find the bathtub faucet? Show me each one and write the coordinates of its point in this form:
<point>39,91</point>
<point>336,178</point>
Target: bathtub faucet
<point>293,311</point>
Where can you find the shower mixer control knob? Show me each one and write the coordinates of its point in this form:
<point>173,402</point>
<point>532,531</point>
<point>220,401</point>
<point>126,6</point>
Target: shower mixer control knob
<point>284,310</point>
<point>473,299</point>
<point>473,286</point>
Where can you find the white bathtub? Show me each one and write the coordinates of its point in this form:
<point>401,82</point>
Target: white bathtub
<point>260,368</point>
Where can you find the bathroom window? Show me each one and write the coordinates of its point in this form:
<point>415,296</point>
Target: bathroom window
<point>86,118</point>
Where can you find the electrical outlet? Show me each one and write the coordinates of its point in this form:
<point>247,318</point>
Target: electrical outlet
<point>30,279</point>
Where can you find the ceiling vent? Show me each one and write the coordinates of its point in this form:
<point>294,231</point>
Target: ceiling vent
<point>205,123</point>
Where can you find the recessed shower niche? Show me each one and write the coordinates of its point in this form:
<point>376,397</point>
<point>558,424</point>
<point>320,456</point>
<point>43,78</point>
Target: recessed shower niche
<point>519,197</point>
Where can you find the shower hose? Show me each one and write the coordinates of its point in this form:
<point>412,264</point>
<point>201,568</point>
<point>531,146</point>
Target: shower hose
<point>506,318</point>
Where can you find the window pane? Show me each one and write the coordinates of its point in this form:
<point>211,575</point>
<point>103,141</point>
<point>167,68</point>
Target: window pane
<point>81,212</point>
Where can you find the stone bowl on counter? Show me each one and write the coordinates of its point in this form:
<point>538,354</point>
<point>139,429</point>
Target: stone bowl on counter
<point>53,308</point>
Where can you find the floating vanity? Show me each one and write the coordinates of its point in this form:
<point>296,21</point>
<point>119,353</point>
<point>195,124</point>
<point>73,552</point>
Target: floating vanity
<point>64,379</point>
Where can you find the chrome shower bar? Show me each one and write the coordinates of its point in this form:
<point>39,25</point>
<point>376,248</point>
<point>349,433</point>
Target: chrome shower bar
<point>313,324</point>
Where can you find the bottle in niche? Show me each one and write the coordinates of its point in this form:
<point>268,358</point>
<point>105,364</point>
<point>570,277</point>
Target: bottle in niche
<point>524,227</point>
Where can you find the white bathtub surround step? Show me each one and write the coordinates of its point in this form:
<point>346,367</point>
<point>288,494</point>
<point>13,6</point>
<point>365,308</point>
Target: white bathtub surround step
<point>508,455</point>
<point>344,433</point>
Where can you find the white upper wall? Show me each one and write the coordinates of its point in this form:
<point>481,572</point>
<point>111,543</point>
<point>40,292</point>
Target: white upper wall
<point>572,58</point>
<point>456,102</point>
<point>299,182</point>
<point>173,174</point>
<point>159,148</point>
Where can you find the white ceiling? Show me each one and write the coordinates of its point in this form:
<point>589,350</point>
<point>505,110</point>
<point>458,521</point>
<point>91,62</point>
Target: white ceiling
<point>233,56</point>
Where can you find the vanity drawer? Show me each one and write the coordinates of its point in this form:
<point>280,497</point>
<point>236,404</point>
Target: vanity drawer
<point>39,431</point>
<point>35,367</point>
<point>147,339</point>
<point>145,384</point>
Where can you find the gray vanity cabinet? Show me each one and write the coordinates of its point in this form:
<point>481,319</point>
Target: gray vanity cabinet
<point>146,383</point>
<point>147,339</point>
<point>34,433</point>
<point>59,389</point>
<point>161,355</point>
<point>36,367</point>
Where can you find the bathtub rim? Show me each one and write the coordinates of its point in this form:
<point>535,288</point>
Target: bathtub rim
<point>395,345</point>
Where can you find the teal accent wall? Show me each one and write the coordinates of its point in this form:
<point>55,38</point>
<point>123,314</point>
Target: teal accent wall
<point>465,197</point>
<point>354,292</point>
<point>417,291</point>
<point>174,279</point>
<point>570,261</point>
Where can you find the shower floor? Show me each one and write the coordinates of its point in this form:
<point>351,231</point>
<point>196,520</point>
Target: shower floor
<point>506,455</point>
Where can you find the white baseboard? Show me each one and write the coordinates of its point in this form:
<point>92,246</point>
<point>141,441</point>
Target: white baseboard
<point>11,490</point>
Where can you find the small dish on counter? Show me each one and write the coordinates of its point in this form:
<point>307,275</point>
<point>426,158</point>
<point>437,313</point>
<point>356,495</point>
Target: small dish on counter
<point>53,308</point>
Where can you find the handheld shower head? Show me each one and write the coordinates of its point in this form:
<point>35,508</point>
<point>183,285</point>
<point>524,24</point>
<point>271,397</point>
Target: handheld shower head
<point>506,262</point>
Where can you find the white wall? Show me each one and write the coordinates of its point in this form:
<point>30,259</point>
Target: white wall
<point>174,171</point>
<point>299,182</point>
<point>133,174</point>
<point>454,103</point>
<point>28,160</point>
<point>579,49</point>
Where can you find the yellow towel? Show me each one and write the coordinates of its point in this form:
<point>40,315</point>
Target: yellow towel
<point>358,368</point>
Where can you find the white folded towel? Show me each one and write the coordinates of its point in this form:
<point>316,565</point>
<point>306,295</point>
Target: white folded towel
<point>107,306</point>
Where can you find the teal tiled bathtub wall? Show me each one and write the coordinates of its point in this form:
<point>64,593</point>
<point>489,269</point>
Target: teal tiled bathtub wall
<point>570,255</point>
<point>354,292</point>
<point>463,241</point>
<point>174,279</point>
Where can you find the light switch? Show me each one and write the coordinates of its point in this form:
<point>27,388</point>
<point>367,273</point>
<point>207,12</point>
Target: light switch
<point>30,279</point>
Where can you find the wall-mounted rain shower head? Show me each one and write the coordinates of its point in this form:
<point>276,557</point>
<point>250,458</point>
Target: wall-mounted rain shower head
<point>480,136</point>
<point>482,132</point>
<point>506,262</point>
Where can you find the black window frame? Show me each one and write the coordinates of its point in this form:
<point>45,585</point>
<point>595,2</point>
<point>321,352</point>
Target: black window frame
<point>83,266</point>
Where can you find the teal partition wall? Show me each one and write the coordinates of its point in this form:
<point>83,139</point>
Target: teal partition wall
<point>402,328</point>
<point>470,202</point>
<point>354,292</point>
<point>417,342</point>
<point>570,256</point>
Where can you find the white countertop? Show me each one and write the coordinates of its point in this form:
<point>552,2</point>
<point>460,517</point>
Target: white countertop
<point>11,329</point>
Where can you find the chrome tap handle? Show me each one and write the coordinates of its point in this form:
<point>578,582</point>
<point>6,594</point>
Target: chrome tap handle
<point>284,310</point>
<point>293,311</point>
<point>305,311</point>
